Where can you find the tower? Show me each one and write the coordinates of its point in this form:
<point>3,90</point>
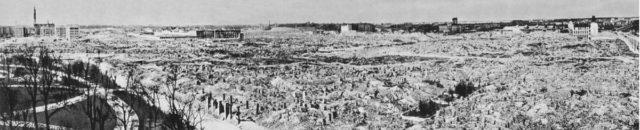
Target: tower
<point>34,15</point>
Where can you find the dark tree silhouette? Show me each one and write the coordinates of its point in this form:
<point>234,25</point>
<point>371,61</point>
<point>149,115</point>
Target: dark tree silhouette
<point>464,88</point>
<point>7,93</point>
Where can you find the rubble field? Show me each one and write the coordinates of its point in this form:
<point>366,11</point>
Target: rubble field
<point>295,80</point>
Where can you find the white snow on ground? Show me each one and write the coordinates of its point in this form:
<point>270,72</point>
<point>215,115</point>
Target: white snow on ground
<point>209,122</point>
<point>217,124</point>
<point>117,105</point>
<point>32,125</point>
<point>251,126</point>
<point>149,78</point>
<point>22,86</point>
<point>151,66</point>
<point>54,106</point>
<point>3,74</point>
<point>413,118</point>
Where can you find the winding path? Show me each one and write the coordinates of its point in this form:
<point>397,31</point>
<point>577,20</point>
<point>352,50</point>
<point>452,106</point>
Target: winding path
<point>126,113</point>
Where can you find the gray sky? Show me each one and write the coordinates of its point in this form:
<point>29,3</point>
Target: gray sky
<point>220,12</point>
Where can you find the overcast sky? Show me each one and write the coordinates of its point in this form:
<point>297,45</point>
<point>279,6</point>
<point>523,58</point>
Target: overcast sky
<point>222,12</point>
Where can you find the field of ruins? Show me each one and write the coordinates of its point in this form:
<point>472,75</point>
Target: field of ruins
<point>289,79</point>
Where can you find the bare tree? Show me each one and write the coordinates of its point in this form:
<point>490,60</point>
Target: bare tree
<point>96,108</point>
<point>154,95</point>
<point>32,81</point>
<point>126,113</point>
<point>103,113</point>
<point>47,62</point>
<point>7,93</point>
<point>172,87</point>
<point>88,106</point>
<point>192,112</point>
<point>182,113</point>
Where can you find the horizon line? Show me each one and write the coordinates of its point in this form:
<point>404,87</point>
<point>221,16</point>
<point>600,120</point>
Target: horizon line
<point>474,21</point>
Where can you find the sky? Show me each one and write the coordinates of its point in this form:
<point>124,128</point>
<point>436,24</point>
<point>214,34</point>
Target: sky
<point>235,12</point>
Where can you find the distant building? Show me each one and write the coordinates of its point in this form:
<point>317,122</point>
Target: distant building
<point>580,31</point>
<point>62,32</point>
<point>19,32</point>
<point>584,30</point>
<point>357,27</point>
<point>594,28</point>
<point>451,28</point>
<point>222,34</point>
<point>47,29</point>
<point>68,33</point>
<point>540,28</point>
<point>74,32</point>
<point>346,28</point>
<point>363,27</point>
<point>5,32</point>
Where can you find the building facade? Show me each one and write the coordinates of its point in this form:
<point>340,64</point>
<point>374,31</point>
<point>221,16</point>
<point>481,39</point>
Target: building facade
<point>581,31</point>
<point>19,32</point>
<point>451,28</point>
<point>363,27</point>
<point>346,28</point>
<point>62,32</point>
<point>6,32</point>
<point>594,29</point>
<point>68,33</point>
<point>74,32</point>
<point>47,29</point>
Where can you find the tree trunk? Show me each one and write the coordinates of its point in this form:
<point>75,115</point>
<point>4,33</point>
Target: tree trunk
<point>35,116</point>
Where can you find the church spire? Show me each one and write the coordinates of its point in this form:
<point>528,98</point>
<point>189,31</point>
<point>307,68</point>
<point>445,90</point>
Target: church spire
<point>34,15</point>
